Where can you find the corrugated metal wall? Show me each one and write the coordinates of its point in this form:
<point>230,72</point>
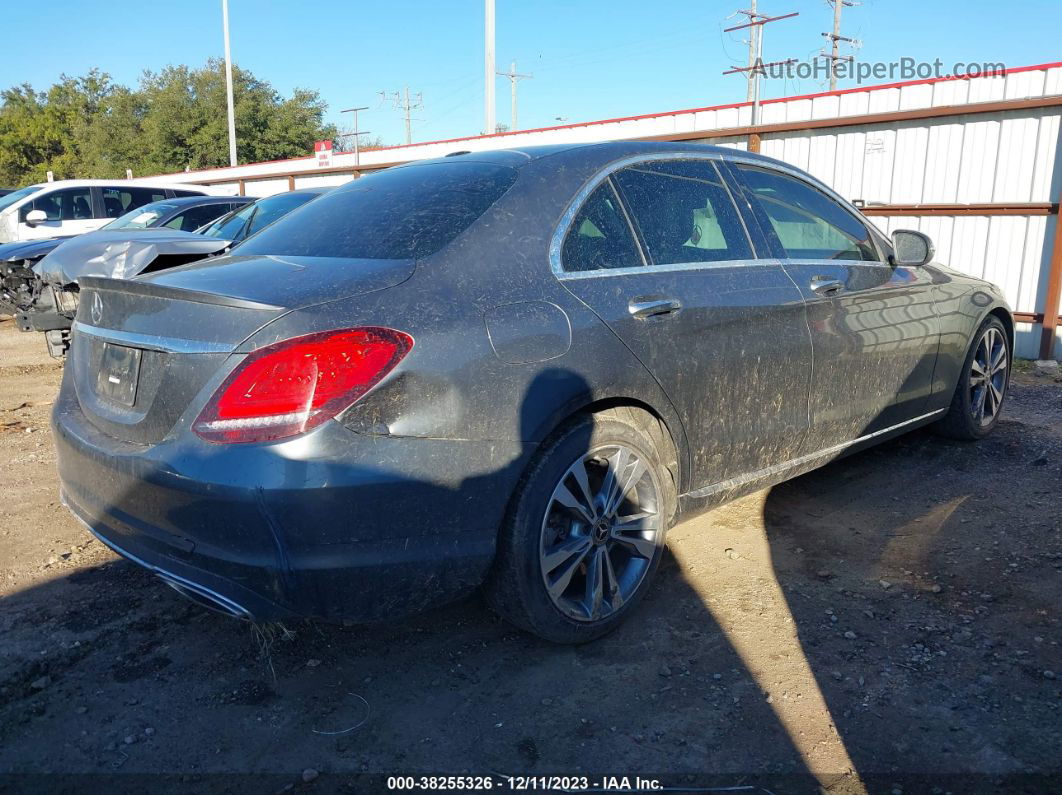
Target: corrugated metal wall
<point>986,158</point>
<point>982,158</point>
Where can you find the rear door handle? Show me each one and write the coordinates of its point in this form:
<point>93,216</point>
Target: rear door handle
<point>650,307</point>
<point>825,285</point>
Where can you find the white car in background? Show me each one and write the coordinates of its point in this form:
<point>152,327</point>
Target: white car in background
<point>73,206</point>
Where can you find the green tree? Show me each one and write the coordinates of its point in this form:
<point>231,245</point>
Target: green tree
<point>174,119</point>
<point>344,142</point>
<point>185,125</point>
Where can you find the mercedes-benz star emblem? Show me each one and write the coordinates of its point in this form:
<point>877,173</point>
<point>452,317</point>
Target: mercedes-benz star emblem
<point>97,308</point>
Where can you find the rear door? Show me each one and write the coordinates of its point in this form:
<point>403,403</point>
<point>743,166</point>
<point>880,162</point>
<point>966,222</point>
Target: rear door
<point>660,253</point>
<point>873,324</point>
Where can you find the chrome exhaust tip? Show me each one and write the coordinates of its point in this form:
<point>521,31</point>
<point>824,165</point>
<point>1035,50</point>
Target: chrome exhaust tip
<point>205,597</point>
<point>199,594</point>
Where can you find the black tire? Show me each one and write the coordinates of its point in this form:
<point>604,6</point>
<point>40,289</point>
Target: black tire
<point>965,420</point>
<point>537,523</point>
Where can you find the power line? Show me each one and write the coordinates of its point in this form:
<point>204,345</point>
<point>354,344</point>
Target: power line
<point>514,78</point>
<point>756,68</point>
<point>836,38</point>
<point>402,101</point>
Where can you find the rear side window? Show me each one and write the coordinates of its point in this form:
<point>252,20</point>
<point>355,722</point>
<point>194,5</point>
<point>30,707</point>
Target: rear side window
<point>401,213</point>
<point>808,223</point>
<point>276,207</point>
<point>72,204</point>
<point>230,227</point>
<point>195,217</point>
<point>119,201</point>
<point>600,236</point>
<point>684,212</point>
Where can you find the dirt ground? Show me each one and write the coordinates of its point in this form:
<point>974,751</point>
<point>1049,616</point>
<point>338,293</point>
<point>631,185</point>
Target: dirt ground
<point>887,623</point>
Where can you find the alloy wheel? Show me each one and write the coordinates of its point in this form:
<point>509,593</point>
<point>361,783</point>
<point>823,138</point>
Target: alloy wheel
<point>988,377</point>
<point>601,531</point>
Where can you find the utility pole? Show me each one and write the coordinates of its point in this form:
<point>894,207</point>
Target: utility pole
<point>753,55</point>
<point>357,133</point>
<point>402,102</point>
<point>835,41</point>
<point>228,83</point>
<point>513,79</point>
<point>489,67</point>
<point>757,68</point>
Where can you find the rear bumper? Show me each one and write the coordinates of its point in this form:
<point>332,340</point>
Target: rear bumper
<point>330,525</point>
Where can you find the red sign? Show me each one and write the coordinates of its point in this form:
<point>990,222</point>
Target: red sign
<point>323,151</point>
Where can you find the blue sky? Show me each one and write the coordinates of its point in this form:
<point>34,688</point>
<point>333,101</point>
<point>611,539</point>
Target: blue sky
<point>591,59</point>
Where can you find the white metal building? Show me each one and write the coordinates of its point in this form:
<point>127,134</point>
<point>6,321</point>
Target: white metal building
<point>973,162</point>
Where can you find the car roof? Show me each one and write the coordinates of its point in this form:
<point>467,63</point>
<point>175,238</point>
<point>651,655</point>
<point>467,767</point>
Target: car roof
<point>311,191</point>
<point>182,201</point>
<point>115,183</point>
<point>590,154</point>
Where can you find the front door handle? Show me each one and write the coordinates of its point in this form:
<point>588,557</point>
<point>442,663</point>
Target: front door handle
<point>825,285</point>
<point>650,307</point>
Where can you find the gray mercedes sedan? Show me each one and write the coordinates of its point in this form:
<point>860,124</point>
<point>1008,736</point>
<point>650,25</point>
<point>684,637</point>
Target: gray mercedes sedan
<point>511,370</point>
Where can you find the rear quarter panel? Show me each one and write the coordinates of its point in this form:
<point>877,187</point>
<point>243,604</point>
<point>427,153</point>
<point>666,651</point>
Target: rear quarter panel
<point>455,383</point>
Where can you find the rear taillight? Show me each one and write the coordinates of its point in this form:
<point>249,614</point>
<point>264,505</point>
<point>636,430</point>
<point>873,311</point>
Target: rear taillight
<point>292,386</point>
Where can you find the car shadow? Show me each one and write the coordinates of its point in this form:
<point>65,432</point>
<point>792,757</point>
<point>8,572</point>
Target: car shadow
<point>732,673</point>
<point>455,690</point>
<point>900,568</point>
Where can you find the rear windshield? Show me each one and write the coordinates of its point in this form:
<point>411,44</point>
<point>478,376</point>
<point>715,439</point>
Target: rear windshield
<point>401,213</point>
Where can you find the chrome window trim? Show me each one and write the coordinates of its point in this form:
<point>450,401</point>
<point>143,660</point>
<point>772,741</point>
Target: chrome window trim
<point>616,197</point>
<point>845,262</point>
<point>699,265</point>
<point>737,156</point>
<point>576,203</point>
<point>151,342</point>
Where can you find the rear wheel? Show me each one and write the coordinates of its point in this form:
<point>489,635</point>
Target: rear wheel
<point>982,388</point>
<point>586,530</point>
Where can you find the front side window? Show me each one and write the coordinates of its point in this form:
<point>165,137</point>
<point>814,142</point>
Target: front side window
<point>401,213</point>
<point>72,204</point>
<point>599,236</point>
<point>684,212</point>
<point>808,223</point>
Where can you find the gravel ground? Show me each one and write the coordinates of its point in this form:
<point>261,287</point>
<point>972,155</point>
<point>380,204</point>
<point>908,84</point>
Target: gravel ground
<point>889,622</point>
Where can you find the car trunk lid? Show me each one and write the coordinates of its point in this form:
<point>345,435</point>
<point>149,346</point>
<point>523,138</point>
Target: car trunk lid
<point>144,349</point>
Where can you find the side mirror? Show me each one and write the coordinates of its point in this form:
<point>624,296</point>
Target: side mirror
<point>34,217</point>
<point>913,249</point>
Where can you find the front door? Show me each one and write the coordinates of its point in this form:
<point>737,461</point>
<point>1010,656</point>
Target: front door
<point>873,324</point>
<point>722,330</point>
<point>68,212</point>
